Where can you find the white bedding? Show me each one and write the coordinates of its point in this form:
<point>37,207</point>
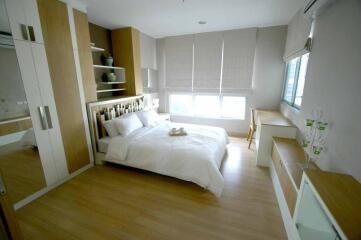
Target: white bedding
<point>196,157</point>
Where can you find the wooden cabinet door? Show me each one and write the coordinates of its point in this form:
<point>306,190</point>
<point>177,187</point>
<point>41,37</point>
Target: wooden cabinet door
<point>85,55</point>
<point>59,50</point>
<point>288,189</point>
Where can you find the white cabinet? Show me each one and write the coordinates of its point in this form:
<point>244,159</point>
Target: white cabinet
<point>35,101</point>
<point>24,20</point>
<point>30,50</point>
<point>311,218</point>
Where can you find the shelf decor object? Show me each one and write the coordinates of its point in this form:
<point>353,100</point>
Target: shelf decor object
<point>315,137</point>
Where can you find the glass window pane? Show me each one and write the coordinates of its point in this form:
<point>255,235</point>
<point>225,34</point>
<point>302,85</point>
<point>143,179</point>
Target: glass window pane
<point>207,106</point>
<point>233,107</point>
<point>301,80</point>
<point>181,104</point>
<point>290,79</point>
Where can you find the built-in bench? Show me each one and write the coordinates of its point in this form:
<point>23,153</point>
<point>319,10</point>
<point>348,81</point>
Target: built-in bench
<point>315,204</point>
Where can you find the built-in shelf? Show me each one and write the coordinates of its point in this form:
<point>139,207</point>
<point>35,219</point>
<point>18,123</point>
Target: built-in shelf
<point>110,83</point>
<point>108,67</point>
<point>97,49</point>
<point>111,90</point>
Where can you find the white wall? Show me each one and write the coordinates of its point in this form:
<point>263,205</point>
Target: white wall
<point>267,80</point>
<point>333,84</point>
<point>148,52</point>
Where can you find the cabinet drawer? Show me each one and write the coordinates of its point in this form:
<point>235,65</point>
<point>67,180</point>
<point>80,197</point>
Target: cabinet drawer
<point>288,189</point>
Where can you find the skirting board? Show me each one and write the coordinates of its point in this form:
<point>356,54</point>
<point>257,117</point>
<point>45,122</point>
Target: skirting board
<point>288,222</point>
<point>40,193</point>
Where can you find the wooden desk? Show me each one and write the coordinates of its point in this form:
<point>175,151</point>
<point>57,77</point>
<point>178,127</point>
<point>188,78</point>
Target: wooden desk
<point>274,118</point>
<point>270,124</point>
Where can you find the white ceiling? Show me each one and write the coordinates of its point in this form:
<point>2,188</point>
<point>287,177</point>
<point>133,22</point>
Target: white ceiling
<point>159,18</point>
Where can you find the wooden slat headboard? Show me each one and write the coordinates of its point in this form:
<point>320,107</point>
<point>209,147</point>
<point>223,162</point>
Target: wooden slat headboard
<point>100,111</point>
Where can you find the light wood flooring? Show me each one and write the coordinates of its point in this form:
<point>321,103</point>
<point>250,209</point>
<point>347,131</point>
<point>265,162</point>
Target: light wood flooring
<point>115,202</point>
<point>22,170</point>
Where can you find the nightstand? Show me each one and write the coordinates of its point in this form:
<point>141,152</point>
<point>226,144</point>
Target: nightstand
<point>164,116</point>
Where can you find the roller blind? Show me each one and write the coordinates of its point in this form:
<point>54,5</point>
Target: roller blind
<point>179,62</point>
<point>297,34</point>
<point>207,61</point>
<point>238,57</point>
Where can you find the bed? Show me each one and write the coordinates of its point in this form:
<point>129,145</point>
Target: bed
<point>196,157</point>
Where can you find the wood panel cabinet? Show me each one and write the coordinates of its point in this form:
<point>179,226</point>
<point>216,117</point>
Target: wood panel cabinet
<point>59,50</point>
<point>126,51</point>
<point>85,55</point>
<point>289,191</point>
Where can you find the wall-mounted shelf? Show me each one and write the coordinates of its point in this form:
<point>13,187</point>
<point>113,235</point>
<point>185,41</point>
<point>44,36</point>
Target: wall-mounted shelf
<point>110,83</point>
<point>107,67</point>
<point>111,90</point>
<point>97,49</point>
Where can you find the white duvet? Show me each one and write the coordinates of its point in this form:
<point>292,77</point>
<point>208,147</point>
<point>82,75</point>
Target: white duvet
<point>196,157</point>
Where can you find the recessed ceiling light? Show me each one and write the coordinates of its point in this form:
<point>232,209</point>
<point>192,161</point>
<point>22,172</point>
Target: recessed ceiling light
<point>202,22</point>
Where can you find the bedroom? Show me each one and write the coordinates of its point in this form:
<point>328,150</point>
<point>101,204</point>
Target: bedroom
<point>180,119</point>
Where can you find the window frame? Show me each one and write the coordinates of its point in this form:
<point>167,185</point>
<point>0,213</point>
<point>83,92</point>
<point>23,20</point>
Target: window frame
<point>295,84</point>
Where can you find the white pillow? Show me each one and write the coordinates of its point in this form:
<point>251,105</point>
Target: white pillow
<point>110,128</point>
<point>149,118</point>
<point>127,124</point>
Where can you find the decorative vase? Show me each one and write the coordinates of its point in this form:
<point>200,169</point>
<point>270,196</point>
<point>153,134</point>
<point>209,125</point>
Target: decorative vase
<point>109,61</point>
<point>111,77</point>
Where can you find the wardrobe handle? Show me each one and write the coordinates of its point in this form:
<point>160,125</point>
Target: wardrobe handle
<point>44,124</point>
<point>31,33</point>
<point>48,117</point>
<point>24,31</point>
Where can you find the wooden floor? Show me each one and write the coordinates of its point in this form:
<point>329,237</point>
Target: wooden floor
<point>22,170</point>
<point>115,202</point>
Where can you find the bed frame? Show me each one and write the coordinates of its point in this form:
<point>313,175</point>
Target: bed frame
<point>105,110</point>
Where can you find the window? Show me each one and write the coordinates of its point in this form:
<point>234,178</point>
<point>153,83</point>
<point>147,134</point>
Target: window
<point>213,106</point>
<point>181,104</point>
<point>206,106</point>
<point>233,107</point>
<point>295,80</point>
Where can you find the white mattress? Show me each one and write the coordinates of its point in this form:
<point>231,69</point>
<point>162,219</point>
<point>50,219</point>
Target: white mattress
<point>103,144</point>
<point>195,157</point>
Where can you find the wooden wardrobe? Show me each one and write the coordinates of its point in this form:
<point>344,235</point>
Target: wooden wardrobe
<point>60,55</point>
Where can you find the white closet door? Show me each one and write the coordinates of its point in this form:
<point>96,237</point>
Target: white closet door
<point>17,19</point>
<point>24,20</point>
<point>46,91</point>
<point>33,95</point>
<point>33,20</point>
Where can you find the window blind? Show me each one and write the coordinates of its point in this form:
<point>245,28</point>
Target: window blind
<point>207,61</point>
<point>179,62</point>
<point>297,34</point>
<point>238,57</point>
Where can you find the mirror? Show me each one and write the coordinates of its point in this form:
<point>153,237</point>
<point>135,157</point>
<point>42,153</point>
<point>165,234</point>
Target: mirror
<point>20,162</point>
